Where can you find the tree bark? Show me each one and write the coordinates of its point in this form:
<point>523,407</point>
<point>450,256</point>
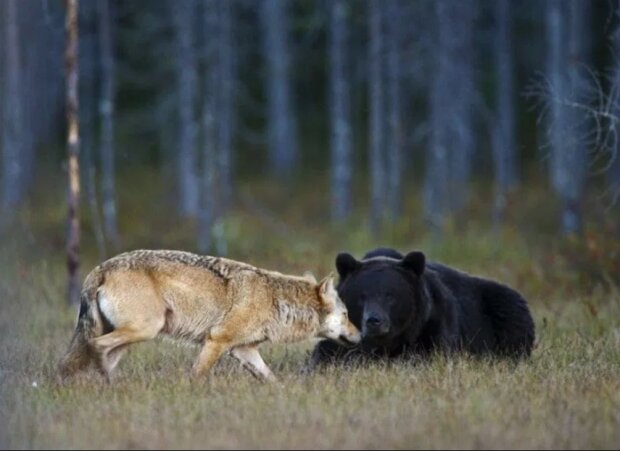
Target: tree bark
<point>73,150</point>
<point>106,109</point>
<point>340,112</point>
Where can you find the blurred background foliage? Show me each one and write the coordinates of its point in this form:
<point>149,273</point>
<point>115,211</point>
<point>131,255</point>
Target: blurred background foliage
<point>440,60</point>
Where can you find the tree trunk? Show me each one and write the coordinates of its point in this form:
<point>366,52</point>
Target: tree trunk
<point>88,63</point>
<point>340,112</point>
<point>460,16</point>
<point>613,173</point>
<point>376,127</point>
<point>394,113</point>
<point>226,111</point>
<point>504,146</point>
<point>208,210</point>
<point>184,12</point>
<point>452,100</point>
<point>281,122</point>
<point>73,150</point>
<point>436,202</point>
<point>12,137</point>
<point>106,109</point>
<point>568,52</point>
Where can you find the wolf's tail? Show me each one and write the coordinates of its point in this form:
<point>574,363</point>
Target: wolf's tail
<point>89,325</point>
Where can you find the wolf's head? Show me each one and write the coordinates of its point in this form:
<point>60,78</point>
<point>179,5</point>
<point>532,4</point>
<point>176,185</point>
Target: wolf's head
<point>334,318</point>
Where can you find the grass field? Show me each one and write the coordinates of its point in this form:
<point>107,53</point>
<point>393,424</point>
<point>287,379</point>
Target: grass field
<point>566,396</point>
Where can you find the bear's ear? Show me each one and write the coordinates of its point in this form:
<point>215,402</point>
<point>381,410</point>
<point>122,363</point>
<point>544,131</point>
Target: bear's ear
<point>415,261</point>
<point>346,264</point>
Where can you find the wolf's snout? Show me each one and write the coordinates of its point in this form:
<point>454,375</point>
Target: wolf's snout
<point>351,338</point>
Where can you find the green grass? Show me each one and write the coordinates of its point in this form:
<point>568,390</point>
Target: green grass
<point>566,396</point>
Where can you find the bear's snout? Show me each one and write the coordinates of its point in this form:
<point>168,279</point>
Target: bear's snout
<point>375,324</point>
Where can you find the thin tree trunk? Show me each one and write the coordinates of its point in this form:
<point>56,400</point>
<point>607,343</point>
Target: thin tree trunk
<point>225,113</point>
<point>73,150</point>
<point>106,109</point>
<point>555,34</point>
<point>577,153</point>
<point>452,105</point>
<point>88,64</point>
<point>436,203</point>
<point>12,141</point>
<point>460,16</point>
<point>394,113</point>
<point>566,27</point>
<point>340,112</point>
<point>613,173</point>
<point>281,122</point>
<point>186,78</point>
<point>504,146</point>
<point>208,210</point>
<point>377,110</point>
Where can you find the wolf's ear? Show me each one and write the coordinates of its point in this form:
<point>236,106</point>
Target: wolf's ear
<point>414,261</point>
<point>346,264</point>
<point>309,276</point>
<point>327,291</point>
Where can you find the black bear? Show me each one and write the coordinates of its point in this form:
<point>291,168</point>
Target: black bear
<point>408,307</point>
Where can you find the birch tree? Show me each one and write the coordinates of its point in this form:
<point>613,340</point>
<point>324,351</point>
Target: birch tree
<point>340,111</point>
<point>73,150</point>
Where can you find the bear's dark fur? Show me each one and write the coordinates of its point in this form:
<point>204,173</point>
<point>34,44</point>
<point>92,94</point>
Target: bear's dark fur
<point>406,307</point>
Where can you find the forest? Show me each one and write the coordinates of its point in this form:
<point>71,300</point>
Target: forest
<point>280,133</point>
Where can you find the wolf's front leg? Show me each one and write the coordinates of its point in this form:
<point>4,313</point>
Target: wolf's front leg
<point>209,355</point>
<point>252,360</point>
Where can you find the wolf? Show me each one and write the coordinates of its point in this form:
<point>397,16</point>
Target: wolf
<point>222,304</point>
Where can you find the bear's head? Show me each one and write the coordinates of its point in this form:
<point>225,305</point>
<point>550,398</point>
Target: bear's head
<point>383,293</point>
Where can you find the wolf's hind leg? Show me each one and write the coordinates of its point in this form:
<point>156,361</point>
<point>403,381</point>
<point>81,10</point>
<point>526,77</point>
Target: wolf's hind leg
<point>115,356</point>
<point>109,347</point>
<point>252,360</point>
